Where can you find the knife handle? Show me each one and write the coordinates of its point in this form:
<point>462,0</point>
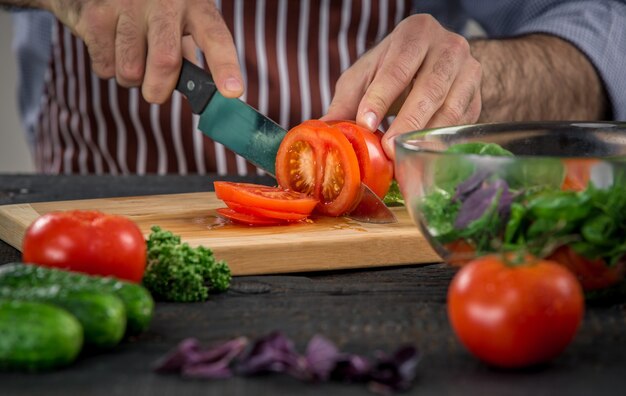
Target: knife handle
<point>197,85</point>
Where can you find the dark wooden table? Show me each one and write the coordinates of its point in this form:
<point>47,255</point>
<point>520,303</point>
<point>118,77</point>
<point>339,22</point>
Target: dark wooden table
<point>360,310</point>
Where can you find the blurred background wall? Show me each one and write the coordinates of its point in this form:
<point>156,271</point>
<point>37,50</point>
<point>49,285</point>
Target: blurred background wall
<point>14,154</point>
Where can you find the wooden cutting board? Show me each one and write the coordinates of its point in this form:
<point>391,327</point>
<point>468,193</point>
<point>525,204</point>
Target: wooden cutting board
<point>323,244</point>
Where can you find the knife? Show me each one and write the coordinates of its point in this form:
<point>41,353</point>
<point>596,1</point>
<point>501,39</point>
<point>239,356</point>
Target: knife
<point>244,130</point>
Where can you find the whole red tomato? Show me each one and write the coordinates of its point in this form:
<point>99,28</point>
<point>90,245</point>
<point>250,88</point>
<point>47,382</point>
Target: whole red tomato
<point>515,315</point>
<point>87,241</point>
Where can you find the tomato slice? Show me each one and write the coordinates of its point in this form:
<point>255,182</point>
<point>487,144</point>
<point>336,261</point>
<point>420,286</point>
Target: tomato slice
<point>577,173</point>
<point>319,161</point>
<point>248,219</point>
<point>265,197</point>
<point>592,274</point>
<point>461,252</point>
<point>376,169</point>
<point>260,212</point>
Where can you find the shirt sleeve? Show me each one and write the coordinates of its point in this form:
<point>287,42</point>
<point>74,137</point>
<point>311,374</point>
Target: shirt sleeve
<point>597,28</point>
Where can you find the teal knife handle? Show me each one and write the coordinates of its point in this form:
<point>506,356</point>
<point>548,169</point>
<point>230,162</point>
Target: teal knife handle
<point>197,85</point>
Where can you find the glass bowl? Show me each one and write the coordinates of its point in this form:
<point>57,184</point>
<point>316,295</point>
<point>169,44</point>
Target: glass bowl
<point>554,189</point>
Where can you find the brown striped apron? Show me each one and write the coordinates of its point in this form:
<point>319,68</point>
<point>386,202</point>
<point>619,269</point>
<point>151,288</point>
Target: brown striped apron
<point>292,54</point>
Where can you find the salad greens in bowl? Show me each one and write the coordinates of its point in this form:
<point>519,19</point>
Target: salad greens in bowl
<point>556,190</point>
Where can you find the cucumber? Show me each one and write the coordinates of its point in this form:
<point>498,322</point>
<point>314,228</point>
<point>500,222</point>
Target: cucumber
<point>136,299</point>
<point>37,336</point>
<point>102,315</point>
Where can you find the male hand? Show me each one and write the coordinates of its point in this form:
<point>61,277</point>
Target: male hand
<point>140,42</point>
<point>422,67</point>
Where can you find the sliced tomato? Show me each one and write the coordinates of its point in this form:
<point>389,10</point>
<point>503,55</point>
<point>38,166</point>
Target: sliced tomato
<point>273,214</point>
<point>265,197</point>
<point>376,169</point>
<point>461,252</point>
<point>248,219</point>
<point>319,161</point>
<point>592,274</point>
<point>577,173</point>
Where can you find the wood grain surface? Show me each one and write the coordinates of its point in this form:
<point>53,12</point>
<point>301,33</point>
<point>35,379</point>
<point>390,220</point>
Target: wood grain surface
<point>324,243</point>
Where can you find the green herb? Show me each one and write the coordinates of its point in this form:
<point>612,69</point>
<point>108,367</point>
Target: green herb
<point>540,216</point>
<point>454,169</point>
<point>513,230</point>
<point>177,272</point>
<point>479,148</point>
<point>545,172</point>
<point>440,213</point>
<point>559,205</point>
<point>483,231</point>
<point>394,196</point>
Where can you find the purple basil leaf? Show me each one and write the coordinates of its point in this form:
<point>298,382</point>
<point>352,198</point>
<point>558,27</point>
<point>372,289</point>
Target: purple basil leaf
<point>321,357</point>
<point>351,368</point>
<point>276,353</point>
<point>506,198</point>
<point>192,360</point>
<point>273,353</point>
<point>407,358</point>
<point>225,351</point>
<point>478,202</point>
<point>215,362</point>
<point>299,368</point>
<point>395,372</point>
<point>475,206</point>
<point>187,350</point>
<point>464,189</point>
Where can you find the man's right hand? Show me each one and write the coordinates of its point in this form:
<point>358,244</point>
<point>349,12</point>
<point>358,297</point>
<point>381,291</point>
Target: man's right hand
<point>140,42</point>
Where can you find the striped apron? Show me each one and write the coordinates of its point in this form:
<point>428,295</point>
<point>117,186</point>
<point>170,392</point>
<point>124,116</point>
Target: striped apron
<point>291,52</point>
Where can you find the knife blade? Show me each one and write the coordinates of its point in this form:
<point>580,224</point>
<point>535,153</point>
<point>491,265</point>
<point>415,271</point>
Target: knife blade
<point>245,131</point>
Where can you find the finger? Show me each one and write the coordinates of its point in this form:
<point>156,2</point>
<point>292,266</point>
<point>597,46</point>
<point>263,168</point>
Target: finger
<point>97,29</point>
<point>406,50</point>
<point>130,50</point>
<point>345,102</point>
<point>474,110</point>
<point>397,104</point>
<point>470,115</point>
<point>212,35</point>
<point>189,50</point>
<point>462,105</point>
<point>164,52</point>
<point>429,91</point>
<point>351,87</point>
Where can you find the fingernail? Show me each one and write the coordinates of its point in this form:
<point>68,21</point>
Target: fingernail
<point>232,84</point>
<point>370,120</point>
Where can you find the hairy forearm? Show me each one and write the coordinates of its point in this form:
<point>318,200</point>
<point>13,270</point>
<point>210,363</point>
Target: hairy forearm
<point>23,3</point>
<point>537,77</point>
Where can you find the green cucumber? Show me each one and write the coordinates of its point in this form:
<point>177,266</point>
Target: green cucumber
<point>102,315</point>
<point>136,299</point>
<point>37,336</point>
